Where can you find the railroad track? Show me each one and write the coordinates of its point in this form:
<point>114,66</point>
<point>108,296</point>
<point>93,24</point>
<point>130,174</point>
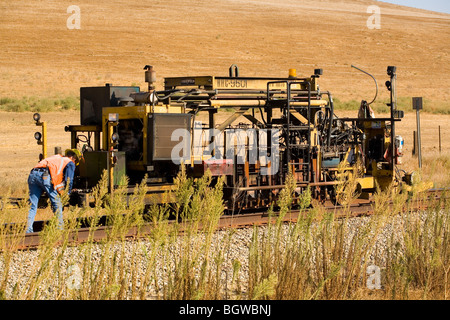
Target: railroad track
<point>359,207</point>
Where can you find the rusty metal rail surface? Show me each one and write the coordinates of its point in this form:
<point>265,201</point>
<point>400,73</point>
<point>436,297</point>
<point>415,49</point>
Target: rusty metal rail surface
<point>356,209</point>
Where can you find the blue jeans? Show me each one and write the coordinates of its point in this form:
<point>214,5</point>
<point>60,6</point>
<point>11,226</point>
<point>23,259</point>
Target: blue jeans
<point>38,182</point>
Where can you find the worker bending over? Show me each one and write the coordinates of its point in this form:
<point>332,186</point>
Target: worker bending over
<point>51,175</point>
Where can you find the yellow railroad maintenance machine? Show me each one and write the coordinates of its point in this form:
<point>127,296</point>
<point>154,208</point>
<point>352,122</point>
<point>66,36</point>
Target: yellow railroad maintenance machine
<point>272,126</point>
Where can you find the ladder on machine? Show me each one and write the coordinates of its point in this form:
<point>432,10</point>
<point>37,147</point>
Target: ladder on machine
<point>298,153</point>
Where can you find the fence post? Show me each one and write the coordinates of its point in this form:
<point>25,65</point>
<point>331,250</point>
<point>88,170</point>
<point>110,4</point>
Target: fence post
<point>440,140</point>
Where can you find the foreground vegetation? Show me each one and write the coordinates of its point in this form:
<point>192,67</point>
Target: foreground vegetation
<point>319,257</point>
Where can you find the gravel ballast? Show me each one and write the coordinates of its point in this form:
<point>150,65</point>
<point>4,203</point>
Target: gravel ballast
<point>62,270</point>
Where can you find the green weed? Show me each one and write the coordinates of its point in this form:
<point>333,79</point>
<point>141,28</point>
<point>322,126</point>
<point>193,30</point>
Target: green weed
<point>38,104</point>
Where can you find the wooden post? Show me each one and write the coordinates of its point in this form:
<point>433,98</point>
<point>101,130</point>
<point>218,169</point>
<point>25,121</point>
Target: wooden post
<point>440,140</point>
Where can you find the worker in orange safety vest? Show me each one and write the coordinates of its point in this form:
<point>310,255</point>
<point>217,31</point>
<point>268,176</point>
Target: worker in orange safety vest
<point>51,176</point>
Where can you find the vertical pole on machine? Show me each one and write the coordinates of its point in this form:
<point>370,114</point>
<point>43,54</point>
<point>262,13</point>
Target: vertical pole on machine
<point>110,163</point>
<point>417,103</point>
<point>392,72</point>
<point>113,138</point>
<point>41,137</point>
<point>212,125</point>
<point>44,139</point>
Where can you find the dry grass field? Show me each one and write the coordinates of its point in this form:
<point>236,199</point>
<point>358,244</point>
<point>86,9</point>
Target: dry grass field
<point>41,57</point>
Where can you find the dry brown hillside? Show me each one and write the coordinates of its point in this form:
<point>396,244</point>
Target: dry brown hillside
<point>41,57</point>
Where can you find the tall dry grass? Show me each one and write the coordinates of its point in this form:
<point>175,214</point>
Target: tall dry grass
<point>318,257</point>
<point>328,258</point>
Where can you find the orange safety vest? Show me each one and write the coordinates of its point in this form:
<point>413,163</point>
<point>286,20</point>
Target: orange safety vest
<point>55,165</point>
